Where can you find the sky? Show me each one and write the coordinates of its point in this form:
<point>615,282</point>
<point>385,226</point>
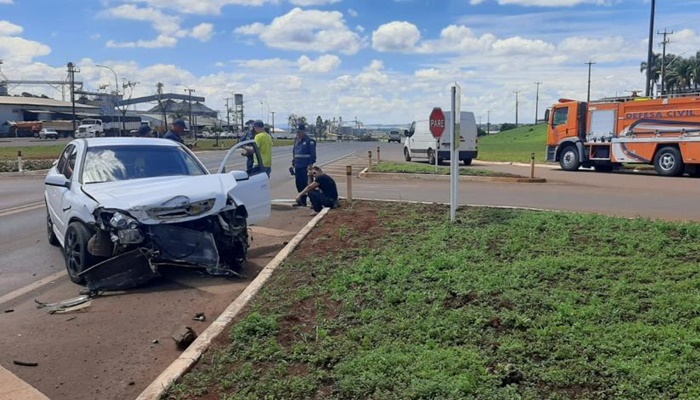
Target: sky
<point>374,61</point>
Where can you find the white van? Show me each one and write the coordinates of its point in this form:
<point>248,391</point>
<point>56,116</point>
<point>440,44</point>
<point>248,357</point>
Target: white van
<point>420,143</point>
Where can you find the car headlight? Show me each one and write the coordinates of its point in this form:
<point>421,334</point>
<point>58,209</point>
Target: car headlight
<point>121,221</point>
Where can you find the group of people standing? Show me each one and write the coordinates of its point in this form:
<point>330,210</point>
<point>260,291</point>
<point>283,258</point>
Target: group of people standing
<point>310,180</point>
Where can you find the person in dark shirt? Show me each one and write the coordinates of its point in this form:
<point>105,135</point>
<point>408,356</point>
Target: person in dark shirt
<point>176,131</point>
<point>322,192</point>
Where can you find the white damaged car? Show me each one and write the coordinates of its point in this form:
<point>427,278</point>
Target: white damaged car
<point>121,208</point>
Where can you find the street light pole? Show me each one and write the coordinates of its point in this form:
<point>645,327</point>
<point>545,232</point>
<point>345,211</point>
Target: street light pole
<point>588,98</point>
<point>650,51</point>
<point>193,129</point>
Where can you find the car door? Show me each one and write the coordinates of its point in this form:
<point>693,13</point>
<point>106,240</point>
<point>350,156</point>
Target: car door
<point>252,187</point>
<point>56,195</point>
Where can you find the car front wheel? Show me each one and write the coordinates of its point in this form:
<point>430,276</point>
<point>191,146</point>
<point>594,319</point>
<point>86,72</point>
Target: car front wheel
<point>78,259</point>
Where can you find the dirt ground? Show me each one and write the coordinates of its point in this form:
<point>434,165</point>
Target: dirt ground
<point>114,348</point>
<point>347,228</point>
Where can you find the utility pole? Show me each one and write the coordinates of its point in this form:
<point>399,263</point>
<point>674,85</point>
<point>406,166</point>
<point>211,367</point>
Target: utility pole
<point>192,128</point>
<point>537,101</point>
<point>273,121</point>
<point>650,51</point>
<point>71,74</point>
<point>488,122</point>
<point>517,92</point>
<point>159,87</point>
<point>228,115</point>
<point>663,58</point>
<point>588,98</point>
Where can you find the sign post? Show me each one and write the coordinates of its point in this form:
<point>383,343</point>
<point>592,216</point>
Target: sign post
<point>437,128</point>
<point>455,133</point>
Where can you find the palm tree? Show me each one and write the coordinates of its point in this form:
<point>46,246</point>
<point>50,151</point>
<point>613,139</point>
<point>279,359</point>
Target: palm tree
<point>695,66</point>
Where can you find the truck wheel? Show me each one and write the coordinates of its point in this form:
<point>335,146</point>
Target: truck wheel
<point>569,160</point>
<point>78,259</point>
<point>406,154</point>
<point>467,161</point>
<point>431,157</point>
<point>669,162</point>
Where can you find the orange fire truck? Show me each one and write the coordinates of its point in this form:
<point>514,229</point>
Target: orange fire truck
<point>662,132</point>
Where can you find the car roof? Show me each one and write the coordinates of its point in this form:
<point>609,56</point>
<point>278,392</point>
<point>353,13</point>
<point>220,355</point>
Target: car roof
<point>129,141</point>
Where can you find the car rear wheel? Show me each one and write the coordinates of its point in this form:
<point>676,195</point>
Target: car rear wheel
<point>467,161</point>
<point>78,259</point>
<point>53,240</point>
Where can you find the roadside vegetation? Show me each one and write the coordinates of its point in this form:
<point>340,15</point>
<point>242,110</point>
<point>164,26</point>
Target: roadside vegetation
<point>414,168</point>
<point>515,145</point>
<point>394,302</point>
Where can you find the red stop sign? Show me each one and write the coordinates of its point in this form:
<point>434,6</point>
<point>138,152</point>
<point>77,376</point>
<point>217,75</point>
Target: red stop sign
<point>437,122</point>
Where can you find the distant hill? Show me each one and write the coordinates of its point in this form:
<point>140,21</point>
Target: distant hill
<point>515,144</point>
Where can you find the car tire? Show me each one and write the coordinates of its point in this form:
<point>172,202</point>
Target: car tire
<point>431,157</point>
<point>76,253</point>
<point>51,236</point>
<point>406,154</point>
<point>467,161</point>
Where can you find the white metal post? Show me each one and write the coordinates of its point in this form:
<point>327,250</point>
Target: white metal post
<point>454,156</point>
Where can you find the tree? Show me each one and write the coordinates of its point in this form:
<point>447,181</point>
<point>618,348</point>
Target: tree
<point>655,68</point>
<point>507,127</point>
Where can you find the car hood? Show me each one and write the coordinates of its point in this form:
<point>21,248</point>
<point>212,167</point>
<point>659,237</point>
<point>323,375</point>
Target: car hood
<point>165,199</point>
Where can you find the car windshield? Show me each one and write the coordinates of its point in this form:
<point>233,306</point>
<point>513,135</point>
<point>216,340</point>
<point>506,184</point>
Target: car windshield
<point>119,163</point>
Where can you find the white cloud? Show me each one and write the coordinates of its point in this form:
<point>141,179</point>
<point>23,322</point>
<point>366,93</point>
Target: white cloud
<point>9,29</point>
<point>202,7</point>
<point>14,49</point>
<point>269,64</point>
<point>308,3</point>
<point>323,64</point>
<point>306,30</point>
<point>202,32</point>
<point>353,13</point>
<point>548,3</point>
<point>5,1</point>
<point>160,42</point>
<point>397,36</point>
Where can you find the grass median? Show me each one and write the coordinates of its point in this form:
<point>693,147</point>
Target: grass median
<point>391,301</point>
<point>415,168</point>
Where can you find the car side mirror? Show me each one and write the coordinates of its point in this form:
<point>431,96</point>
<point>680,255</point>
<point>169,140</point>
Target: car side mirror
<point>57,180</point>
<point>240,176</point>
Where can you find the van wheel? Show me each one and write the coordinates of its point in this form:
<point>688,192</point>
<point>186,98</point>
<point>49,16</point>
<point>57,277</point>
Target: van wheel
<point>467,161</point>
<point>431,157</point>
<point>669,162</point>
<point>406,154</point>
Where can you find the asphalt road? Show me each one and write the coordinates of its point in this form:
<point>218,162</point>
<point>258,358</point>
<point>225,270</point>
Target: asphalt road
<point>27,259</point>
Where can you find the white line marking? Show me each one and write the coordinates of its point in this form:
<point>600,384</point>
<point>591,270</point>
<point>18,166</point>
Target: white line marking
<point>20,209</point>
<point>32,286</point>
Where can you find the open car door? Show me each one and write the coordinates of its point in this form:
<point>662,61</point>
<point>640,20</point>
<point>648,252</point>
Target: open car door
<point>252,186</point>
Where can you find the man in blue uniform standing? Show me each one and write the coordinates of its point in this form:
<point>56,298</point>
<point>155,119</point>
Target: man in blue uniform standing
<point>303,157</point>
<point>176,131</point>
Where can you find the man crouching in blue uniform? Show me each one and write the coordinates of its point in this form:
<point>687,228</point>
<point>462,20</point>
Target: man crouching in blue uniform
<point>304,157</point>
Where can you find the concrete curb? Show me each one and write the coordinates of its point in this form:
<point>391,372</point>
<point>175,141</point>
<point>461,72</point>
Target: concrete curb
<point>189,357</point>
<point>462,178</point>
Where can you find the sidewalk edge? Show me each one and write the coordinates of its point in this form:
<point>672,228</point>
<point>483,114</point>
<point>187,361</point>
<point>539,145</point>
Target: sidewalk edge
<point>189,357</point>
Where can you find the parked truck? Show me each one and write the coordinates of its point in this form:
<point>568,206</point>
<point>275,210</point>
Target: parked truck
<point>604,135</point>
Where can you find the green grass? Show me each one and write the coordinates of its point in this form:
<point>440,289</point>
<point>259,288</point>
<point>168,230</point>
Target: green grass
<point>413,168</point>
<point>515,145</point>
<point>53,151</point>
<point>31,152</point>
<point>387,301</point>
